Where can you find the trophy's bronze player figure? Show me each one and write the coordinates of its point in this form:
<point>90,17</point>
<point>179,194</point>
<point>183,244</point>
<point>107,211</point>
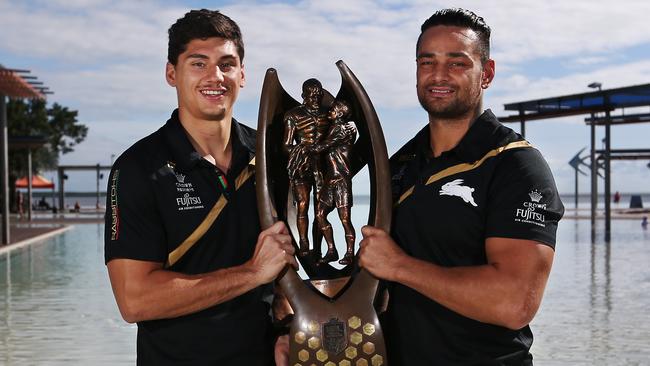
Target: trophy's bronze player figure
<point>305,125</point>
<point>337,189</point>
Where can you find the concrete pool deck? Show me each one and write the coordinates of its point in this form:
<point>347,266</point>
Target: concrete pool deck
<point>44,226</point>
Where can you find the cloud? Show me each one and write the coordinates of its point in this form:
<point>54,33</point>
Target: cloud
<point>527,30</point>
<point>585,61</point>
<point>109,41</point>
<point>306,40</point>
<point>84,35</point>
<point>106,58</point>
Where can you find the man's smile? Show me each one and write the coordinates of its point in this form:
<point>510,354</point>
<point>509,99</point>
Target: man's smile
<point>213,93</point>
<point>440,91</point>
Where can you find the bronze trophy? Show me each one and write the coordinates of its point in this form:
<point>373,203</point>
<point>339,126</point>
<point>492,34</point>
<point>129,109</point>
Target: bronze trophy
<point>307,153</point>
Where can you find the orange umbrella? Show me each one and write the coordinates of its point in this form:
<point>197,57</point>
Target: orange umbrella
<point>38,181</point>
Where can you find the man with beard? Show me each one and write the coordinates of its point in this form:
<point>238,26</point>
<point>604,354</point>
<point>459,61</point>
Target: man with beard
<point>476,212</point>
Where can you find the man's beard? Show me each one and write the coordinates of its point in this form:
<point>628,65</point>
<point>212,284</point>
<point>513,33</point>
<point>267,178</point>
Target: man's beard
<point>217,115</point>
<point>459,107</point>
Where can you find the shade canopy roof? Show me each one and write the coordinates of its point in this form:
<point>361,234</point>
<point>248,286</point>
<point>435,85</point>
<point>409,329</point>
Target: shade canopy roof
<point>38,181</point>
<point>583,103</point>
<point>13,85</point>
<point>26,142</point>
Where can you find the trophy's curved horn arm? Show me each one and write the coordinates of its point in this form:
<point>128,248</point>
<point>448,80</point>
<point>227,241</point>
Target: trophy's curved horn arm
<point>365,285</point>
<point>274,99</point>
<point>271,93</point>
<point>380,203</point>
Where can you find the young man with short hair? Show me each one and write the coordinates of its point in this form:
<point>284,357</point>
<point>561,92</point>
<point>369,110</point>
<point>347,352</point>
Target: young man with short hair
<point>476,214</point>
<point>182,247</point>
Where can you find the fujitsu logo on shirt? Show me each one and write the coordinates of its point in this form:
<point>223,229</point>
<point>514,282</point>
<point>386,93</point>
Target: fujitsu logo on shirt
<point>454,188</point>
<point>184,202</point>
<point>530,214</point>
<point>187,200</point>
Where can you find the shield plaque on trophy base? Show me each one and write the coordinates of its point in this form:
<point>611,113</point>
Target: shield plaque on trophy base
<point>307,154</point>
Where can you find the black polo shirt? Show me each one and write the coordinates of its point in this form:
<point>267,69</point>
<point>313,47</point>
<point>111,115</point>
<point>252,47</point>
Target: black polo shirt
<point>160,191</point>
<point>492,184</point>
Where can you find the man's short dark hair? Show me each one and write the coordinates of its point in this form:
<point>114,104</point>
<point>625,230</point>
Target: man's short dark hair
<point>202,24</point>
<point>461,18</point>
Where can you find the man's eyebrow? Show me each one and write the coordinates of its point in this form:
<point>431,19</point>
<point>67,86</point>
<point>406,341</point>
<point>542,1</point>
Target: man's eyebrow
<point>457,54</point>
<point>228,57</point>
<point>198,55</point>
<point>448,54</point>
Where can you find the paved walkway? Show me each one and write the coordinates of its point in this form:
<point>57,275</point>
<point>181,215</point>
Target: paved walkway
<point>23,232</point>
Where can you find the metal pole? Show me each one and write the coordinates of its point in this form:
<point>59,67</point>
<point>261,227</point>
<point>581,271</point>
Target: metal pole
<point>61,173</point>
<point>97,205</point>
<point>576,195</point>
<point>522,123</point>
<point>594,173</point>
<point>4,164</point>
<point>608,179</point>
<point>29,184</point>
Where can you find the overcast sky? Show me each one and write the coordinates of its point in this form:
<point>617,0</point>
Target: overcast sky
<point>106,59</point>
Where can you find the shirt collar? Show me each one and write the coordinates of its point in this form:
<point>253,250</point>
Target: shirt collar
<point>184,154</point>
<point>481,137</point>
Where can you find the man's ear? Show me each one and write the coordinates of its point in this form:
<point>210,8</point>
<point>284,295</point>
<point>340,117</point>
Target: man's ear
<point>170,74</point>
<point>487,73</point>
<point>242,83</point>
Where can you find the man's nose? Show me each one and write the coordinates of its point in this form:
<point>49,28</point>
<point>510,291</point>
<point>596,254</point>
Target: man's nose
<point>440,72</point>
<point>215,74</point>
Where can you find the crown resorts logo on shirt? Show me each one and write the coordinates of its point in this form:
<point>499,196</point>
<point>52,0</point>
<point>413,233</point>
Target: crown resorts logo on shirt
<point>535,196</point>
<point>180,177</point>
<point>184,201</point>
<point>529,213</point>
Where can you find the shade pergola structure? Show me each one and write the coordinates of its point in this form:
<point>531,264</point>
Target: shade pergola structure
<point>599,105</point>
<point>36,182</point>
<point>14,83</point>
<point>62,177</point>
<point>30,143</point>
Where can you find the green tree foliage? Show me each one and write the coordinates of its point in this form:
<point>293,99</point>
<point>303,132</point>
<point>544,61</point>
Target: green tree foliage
<point>65,132</point>
<point>57,125</point>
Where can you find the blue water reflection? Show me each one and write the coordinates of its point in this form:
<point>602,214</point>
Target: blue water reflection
<point>56,305</point>
<point>596,304</point>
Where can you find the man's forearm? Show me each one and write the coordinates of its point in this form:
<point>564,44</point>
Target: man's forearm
<point>146,291</point>
<point>158,293</point>
<point>480,292</point>
<point>489,293</point>
<point>506,291</point>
